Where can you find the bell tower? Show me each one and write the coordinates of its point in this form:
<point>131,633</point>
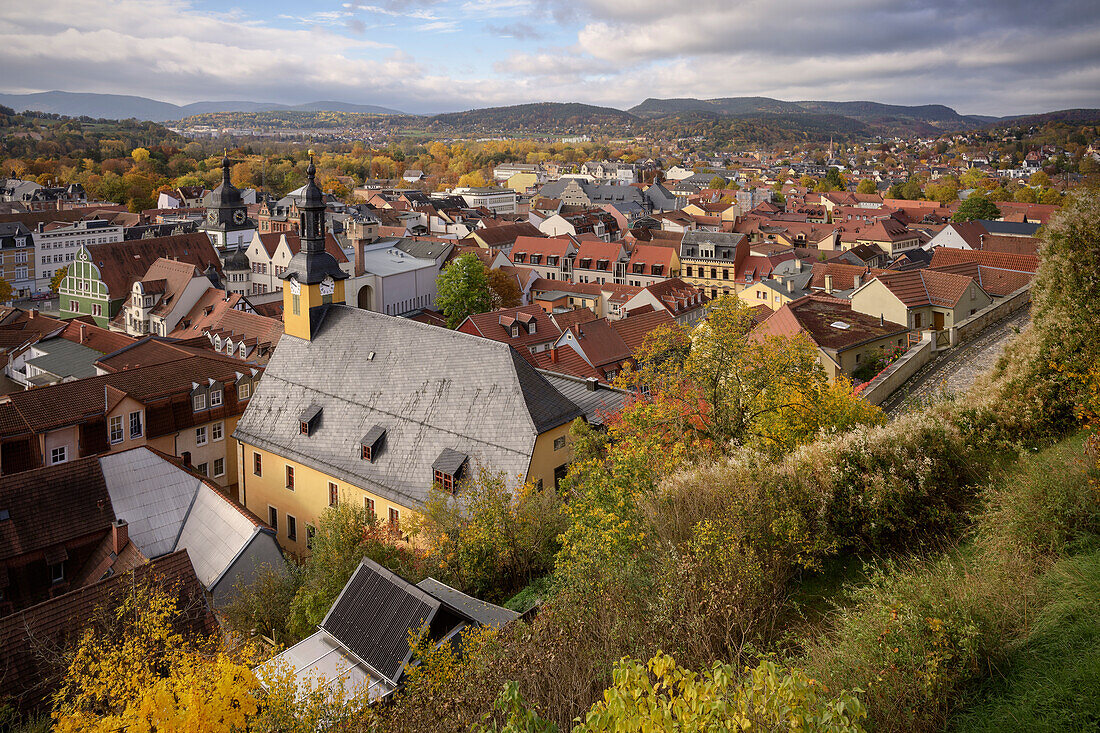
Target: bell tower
<point>313,279</point>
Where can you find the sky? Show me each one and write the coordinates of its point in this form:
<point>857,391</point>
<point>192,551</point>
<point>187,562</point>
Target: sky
<point>995,57</point>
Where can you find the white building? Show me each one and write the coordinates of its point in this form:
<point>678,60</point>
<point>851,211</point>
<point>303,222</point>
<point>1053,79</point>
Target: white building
<point>495,199</point>
<point>393,281</point>
<point>56,245</point>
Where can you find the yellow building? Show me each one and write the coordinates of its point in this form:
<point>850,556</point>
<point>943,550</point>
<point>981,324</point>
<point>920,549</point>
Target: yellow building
<point>522,182</point>
<point>360,407</point>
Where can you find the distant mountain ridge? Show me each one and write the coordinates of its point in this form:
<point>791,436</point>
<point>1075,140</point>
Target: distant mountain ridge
<point>538,116</point>
<point>917,119</point>
<point>123,106</point>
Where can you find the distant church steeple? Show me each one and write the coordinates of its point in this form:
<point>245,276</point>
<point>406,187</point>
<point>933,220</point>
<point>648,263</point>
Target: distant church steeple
<point>313,279</point>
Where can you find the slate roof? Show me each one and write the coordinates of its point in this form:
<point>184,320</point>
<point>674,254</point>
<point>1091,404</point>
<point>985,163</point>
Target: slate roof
<point>52,505</point>
<point>429,387</point>
<point>485,614</point>
<point>597,403</point>
<point>64,358</point>
<point>54,626</point>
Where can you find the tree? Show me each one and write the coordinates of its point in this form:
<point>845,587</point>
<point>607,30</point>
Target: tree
<point>55,281</point>
<point>1039,179</point>
<point>834,180</point>
<point>719,386</point>
<point>661,696</point>
<point>866,186</point>
<point>472,180</point>
<point>137,672</point>
<point>718,182</point>
<point>503,289</point>
<point>5,290</point>
<point>492,538</point>
<point>976,207</point>
<point>140,155</point>
<point>463,289</point>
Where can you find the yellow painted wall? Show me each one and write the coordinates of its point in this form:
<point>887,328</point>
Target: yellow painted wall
<point>520,182</point>
<point>545,459</point>
<point>297,324</point>
<point>308,499</point>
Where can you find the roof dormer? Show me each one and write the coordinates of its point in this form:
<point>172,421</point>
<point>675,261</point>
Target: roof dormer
<point>309,420</point>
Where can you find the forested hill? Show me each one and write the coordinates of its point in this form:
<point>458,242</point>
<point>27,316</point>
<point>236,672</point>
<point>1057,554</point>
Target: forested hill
<point>537,117</point>
<point>887,119</point>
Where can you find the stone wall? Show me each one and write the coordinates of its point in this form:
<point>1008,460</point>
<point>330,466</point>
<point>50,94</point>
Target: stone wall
<point>899,371</point>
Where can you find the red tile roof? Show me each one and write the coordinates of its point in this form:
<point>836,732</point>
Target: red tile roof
<point>121,264</point>
<point>497,326</point>
<point>1003,260</point>
<point>917,288</point>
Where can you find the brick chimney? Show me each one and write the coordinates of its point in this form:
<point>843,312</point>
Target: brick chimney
<point>83,332</point>
<point>553,354</point>
<point>120,535</point>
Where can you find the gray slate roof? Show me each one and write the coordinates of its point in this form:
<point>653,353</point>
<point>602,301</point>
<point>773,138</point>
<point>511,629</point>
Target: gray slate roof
<point>596,403</point>
<point>428,387</point>
<point>64,358</point>
<point>482,612</point>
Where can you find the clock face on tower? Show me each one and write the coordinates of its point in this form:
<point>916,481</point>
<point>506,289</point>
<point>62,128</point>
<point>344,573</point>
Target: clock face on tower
<point>212,216</point>
<point>238,217</point>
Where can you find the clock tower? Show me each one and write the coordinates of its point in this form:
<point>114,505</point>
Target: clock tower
<point>313,278</point>
<point>227,221</point>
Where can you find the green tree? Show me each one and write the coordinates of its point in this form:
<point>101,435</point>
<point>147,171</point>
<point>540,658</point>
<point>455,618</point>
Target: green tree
<point>834,180</point>
<point>866,186</point>
<point>718,182</point>
<point>976,207</point>
<point>463,289</point>
<point>1039,179</point>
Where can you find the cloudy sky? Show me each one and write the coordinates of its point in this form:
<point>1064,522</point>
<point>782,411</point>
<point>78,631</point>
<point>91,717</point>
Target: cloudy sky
<point>993,57</point>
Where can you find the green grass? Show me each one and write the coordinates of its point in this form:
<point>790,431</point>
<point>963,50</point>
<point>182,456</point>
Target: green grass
<point>534,592</point>
<point>1052,681</point>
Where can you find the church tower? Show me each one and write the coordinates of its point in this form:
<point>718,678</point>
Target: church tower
<point>227,222</point>
<point>313,278</point>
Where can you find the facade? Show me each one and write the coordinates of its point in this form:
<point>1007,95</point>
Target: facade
<point>921,299</point>
<point>102,276</point>
<point>161,299</point>
<point>17,258</point>
<point>496,200</point>
<point>56,245</point>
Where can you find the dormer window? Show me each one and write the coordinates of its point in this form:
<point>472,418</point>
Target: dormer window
<point>531,326</point>
<point>536,259</point>
<point>515,330</point>
<point>371,444</point>
<point>309,420</point>
<point>447,469</point>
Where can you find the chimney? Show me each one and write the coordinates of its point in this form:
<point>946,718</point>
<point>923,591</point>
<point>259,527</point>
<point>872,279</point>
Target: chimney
<point>881,320</point>
<point>592,384</point>
<point>120,535</point>
<point>83,332</point>
<point>33,312</point>
<point>553,354</point>
<point>856,280</point>
<point>798,264</point>
<point>790,286</point>
<point>828,283</point>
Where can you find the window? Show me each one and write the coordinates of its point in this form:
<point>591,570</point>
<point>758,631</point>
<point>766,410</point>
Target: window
<point>219,466</point>
<point>291,527</point>
<point>217,431</point>
<point>203,469</point>
<point>200,435</point>
<point>215,397</point>
<point>368,504</point>
<point>366,454</point>
<point>333,494</point>
<point>59,455</point>
<point>559,442</point>
<point>296,301</point>
<point>115,429</point>
<point>57,572</point>
<point>310,531</point>
<point>273,517</point>
<point>290,477</point>
<point>257,464</point>
<point>244,390</point>
<point>395,518</point>
<point>445,481</point>
<point>199,402</point>
<point>135,425</point>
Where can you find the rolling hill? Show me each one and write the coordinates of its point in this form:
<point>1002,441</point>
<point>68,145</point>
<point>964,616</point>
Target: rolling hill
<point>537,117</point>
<point>879,118</point>
<point>121,106</point>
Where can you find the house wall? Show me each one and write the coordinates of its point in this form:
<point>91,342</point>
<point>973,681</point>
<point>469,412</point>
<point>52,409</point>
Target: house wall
<point>123,410</point>
<point>869,351</point>
<point>309,498</point>
<point>545,459</point>
<point>875,299</point>
<point>66,437</point>
<point>262,550</point>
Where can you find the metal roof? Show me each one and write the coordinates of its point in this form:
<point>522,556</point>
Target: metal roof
<point>64,358</point>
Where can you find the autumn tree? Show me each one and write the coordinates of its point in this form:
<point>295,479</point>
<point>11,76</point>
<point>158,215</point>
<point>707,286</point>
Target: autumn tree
<point>5,290</point>
<point>492,537</point>
<point>659,695</point>
<point>503,289</point>
<point>718,182</point>
<point>58,277</point>
<point>722,385</point>
<point>137,672</point>
<point>976,207</point>
<point>140,155</point>
<point>463,289</point>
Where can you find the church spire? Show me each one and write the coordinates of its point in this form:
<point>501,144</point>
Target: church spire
<point>225,168</point>
<point>312,208</point>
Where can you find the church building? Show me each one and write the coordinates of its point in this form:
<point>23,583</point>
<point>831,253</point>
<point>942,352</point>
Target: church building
<point>361,407</point>
<point>227,221</point>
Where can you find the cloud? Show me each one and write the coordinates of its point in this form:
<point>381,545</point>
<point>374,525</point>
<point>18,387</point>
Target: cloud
<point>518,30</point>
<point>982,56</point>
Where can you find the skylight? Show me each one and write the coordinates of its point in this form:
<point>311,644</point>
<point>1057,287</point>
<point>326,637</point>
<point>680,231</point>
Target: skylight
<point>841,325</point>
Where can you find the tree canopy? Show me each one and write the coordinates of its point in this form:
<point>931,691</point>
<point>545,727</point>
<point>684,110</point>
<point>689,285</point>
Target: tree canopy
<point>976,207</point>
<point>463,289</point>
